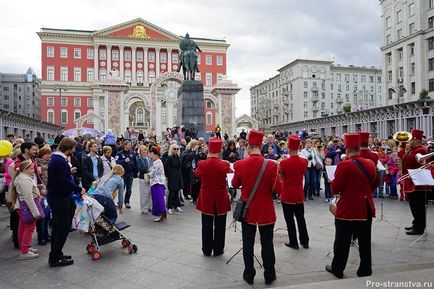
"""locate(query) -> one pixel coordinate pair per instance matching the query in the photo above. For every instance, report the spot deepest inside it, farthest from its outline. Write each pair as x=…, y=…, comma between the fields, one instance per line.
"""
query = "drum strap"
x=362, y=168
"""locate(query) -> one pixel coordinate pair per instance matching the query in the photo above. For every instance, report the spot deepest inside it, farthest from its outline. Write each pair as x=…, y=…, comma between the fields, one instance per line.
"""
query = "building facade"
x=407, y=49
x=126, y=74
x=308, y=89
x=20, y=94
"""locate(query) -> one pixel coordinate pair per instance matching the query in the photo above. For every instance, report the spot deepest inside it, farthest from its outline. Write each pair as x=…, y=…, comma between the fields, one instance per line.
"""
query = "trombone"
x=419, y=158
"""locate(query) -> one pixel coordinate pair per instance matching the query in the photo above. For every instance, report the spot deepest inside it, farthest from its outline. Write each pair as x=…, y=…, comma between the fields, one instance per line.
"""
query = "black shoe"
x=293, y=246
x=270, y=280
x=414, y=232
x=408, y=228
x=42, y=242
x=364, y=274
x=61, y=262
x=330, y=270
x=310, y=198
x=306, y=246
x=248, y=279
x=206, y=253
x=218, y=253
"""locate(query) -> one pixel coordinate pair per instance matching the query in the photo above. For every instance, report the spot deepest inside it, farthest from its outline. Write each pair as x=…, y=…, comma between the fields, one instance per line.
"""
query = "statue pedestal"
x=191, y=110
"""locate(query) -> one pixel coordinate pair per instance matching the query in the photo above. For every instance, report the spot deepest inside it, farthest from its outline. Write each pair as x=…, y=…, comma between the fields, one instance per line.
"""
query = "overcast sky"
x=264, y=34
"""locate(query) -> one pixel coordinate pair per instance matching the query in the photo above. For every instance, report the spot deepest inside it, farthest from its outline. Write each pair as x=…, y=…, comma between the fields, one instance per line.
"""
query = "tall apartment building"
x=307, y=89
x=20, y=93
x=407, y=49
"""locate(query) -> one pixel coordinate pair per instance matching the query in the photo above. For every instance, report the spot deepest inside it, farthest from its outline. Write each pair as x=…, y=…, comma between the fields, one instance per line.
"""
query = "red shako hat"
x=417, y=134
x=294, y=142
x=255, y=138
x=352, y=140
x=215, y=145
x=364, y=138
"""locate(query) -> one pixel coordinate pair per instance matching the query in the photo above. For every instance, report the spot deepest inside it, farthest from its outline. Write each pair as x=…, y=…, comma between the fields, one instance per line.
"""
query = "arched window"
x=128, y=76
x=102, y=74
x=151, y=76
x=140, y=77
x=50, y=115
x=209, y=118
x=139, y=116
x=63, y=116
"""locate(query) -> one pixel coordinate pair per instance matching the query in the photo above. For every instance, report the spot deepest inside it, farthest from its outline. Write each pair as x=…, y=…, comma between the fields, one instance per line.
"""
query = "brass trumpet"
x=402, y=136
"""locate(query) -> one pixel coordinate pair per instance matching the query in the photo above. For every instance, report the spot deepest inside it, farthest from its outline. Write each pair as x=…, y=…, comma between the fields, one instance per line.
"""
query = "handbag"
x=241, y=206
x=26, y=214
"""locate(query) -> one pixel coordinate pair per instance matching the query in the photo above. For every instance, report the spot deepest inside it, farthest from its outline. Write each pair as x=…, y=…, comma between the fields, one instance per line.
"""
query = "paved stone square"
x=170, y=255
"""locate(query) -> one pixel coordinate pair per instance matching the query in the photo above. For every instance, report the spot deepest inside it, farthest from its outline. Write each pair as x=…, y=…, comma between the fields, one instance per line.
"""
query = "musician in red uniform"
x=366, y=153
x=291, y=172
x=213, y=199
x=415, y=194
x=355, y=179
x=261, y=211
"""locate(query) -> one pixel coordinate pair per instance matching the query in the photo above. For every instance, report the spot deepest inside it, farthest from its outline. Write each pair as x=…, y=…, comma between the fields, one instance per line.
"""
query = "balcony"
x=339, y=100
x=285, y=101
x=285, y=91
x=315, y=98
x=314, y=88
x=315, y=108
x=276, y=105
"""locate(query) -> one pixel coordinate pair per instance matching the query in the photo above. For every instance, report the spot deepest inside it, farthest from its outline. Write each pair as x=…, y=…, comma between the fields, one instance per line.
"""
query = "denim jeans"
x=379, y=191
x=309, y=182
x=318, y=181
x=391, y=188
x=128, y=180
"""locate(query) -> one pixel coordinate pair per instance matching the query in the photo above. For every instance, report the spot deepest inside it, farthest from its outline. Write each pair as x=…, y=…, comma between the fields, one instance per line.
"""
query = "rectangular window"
x=323, y=105
x=331, y=86
x=163, y=57
x=63, y=117
x=208, y=79
x=115, y=54
x=208, y=60
x=219, y=76
x=219, y=60
x=305, y=104
x=430, y=4
x=388, y=39
x=77, y=53
x=174, y=57
x=50, y=116
x=50, y=73
x=151, y=56
x=64, y=101
x=388, y=22
x=139, y=55
x=90, y=102
x=90, y=53
x=411, y=9
x=305, y=84
x=412, y=28
x=398, y=34
x=305, y=94
x=431, y=42
x=355, y=77
x=77, y=102
x=431, y=64
x=103, y=54
x=50, y=51
x=347, y=77
x=77, y=115
x=209, y=119
x=198, y=59
x=127, y=55
x=198, y=77
x=413, y=87
x=398, y=16
x=64, y=74
x=411, y=49
x=389, y=75
x=412, y=68
x=347, y=87
x=400, y=54
x=431, y=22
x=371, y=79
x=77, y=74
x=63, y=52
x=50, y=101
x=305, y=114
x=401, y=72
x=338, y=77
x=339, y=87
x=163, y=118
x=431, y=84
x=89, y=74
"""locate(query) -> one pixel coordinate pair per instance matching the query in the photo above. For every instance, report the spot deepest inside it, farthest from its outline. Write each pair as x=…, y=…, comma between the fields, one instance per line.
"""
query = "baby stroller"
x=104, y=232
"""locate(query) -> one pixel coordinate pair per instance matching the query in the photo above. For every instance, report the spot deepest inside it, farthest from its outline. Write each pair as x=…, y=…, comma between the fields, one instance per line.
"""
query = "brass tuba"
x=402, y=136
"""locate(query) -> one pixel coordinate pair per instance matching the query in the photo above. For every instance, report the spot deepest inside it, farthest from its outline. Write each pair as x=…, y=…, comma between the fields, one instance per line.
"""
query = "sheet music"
x=229, y=178
x=331, y=172
x=422, y=178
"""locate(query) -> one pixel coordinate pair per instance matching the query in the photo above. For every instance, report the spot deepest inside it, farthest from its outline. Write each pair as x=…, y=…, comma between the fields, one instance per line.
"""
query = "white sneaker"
x=28, y=256
x=157, y=219
x=34, y=250
x=178, y=209
x=169, y=211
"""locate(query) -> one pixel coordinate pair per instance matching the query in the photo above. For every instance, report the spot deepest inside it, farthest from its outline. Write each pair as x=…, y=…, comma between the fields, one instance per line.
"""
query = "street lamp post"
x=60, y=88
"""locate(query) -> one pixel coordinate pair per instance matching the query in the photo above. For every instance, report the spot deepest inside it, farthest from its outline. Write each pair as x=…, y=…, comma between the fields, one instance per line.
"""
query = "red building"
x=145, y=56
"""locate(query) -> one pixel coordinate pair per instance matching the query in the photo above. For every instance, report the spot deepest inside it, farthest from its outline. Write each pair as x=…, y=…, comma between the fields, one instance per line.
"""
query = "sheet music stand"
x=382, y=217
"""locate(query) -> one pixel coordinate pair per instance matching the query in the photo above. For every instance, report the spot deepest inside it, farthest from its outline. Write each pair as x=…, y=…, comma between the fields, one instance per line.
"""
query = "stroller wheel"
x=96, y=255
x=90, y=248
x=125, y=243
x=130, y=249
x=135, y=248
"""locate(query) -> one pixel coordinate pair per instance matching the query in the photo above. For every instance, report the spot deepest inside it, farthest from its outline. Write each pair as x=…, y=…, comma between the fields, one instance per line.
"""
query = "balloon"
x=5, y=148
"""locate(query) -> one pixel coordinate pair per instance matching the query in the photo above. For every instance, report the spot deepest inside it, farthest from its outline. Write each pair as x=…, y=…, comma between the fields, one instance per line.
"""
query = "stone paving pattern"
x=170, y=255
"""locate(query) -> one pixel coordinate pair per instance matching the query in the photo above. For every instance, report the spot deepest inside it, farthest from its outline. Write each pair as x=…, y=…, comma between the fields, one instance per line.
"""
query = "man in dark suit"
x=93, y=168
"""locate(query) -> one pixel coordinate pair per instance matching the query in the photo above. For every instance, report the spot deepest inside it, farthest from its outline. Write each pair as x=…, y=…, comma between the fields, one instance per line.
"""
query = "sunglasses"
x=176, y=149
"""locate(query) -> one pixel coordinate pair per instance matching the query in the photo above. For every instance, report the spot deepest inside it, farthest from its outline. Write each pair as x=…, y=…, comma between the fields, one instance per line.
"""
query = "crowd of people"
x=41, y=178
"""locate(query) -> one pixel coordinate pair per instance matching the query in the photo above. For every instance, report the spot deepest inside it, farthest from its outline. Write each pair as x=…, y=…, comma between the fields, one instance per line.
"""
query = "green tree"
x=424, y=94
x=346, y=107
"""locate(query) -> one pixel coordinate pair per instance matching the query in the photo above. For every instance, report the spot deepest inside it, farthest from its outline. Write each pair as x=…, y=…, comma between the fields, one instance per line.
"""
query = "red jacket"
x=409, y=162
x=213, y=196
x=261, y=210
x=366, y=154
x=292, y=170
x=353, y=186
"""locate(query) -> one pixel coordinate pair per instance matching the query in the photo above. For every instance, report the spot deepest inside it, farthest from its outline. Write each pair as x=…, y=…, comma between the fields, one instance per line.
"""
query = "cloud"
x=264, y=35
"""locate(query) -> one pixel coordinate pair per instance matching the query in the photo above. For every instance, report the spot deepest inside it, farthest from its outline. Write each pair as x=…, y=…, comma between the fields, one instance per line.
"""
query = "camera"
x=309, y=157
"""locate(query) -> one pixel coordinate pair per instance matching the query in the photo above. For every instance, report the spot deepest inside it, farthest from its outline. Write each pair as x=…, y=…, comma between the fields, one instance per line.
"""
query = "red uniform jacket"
x=409, y=162
x=213, y=196
x=366, y=154
x=292, y=169
x=261, y=210
x=353, y=186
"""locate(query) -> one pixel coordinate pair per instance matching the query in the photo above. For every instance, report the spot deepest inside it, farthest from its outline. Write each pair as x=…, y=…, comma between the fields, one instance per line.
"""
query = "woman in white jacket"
x=27, y=192
x=310, y=176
